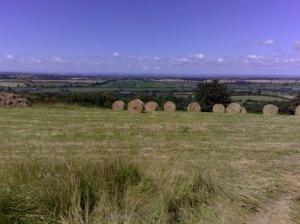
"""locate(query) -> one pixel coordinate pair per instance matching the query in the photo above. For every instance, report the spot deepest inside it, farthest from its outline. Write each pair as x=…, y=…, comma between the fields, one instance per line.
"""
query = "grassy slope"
x=248, y=156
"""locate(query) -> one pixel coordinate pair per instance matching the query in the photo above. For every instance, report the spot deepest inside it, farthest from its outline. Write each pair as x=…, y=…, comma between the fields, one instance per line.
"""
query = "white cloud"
x=252, y=56
x=183, y=59
x=36, y=60
x=297, y=45
x=220, y=60
x=198, y=56
x=56, y=59
x=268, y=42
x=184, y=63
x=9, y=56
x=116, y=54
x=291, y=61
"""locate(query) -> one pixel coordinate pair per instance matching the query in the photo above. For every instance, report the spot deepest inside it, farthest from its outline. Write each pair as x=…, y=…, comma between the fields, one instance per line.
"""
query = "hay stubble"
x=182, y=143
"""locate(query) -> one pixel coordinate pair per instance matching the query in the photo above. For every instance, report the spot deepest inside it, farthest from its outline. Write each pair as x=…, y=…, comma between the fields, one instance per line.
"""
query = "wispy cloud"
x=35, y=60
x=297, y=45
x=220, y=60
x=197, y=56
x=182, y=59
x=9, y=56
x=56, y=59
x=116, y=54
x=128, y=63
x=268, y=42
x=252, y=56
x=292, y=61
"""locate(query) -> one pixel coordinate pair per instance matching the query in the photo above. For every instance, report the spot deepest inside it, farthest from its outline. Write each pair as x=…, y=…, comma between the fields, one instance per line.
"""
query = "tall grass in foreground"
x=115, y=191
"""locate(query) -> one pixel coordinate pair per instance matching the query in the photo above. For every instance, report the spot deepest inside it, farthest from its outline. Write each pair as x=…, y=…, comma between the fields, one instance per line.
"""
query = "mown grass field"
x=69, y=164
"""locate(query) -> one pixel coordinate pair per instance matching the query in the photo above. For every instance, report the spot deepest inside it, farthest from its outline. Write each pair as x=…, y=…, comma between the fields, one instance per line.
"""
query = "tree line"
x=206, y=93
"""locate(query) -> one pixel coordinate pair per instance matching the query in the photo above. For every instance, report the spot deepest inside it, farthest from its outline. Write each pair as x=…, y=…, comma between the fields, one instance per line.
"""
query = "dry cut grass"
x=67, y=164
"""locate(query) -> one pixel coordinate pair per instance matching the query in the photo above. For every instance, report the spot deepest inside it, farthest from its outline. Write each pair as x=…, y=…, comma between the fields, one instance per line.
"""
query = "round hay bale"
x=118, y=105
x=270, y=110
x=151, y=106
x=243, y=110
x=135, y=106
x=169, y=106
x=233, y=108
x=194, y=107
x=297, y=111
x=218, y=108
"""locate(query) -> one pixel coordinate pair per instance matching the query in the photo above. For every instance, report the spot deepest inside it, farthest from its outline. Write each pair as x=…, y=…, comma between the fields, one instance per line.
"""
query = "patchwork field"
x=69, y=164
x=258, y=98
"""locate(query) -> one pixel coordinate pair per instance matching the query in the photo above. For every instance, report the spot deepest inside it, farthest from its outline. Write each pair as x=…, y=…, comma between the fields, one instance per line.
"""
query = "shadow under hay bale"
x=219, y=108
x=297, y=111
x=270, y=110
x=169, y=106
x=244, y=110
x=118, y=105
x=194, y=107
x=233, y=108
x=12, y=100
x=135, y=106
x=151, y=106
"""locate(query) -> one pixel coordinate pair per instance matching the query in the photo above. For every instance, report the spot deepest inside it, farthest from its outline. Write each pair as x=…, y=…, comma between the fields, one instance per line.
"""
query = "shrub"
x=285, y=107
x=210, y=93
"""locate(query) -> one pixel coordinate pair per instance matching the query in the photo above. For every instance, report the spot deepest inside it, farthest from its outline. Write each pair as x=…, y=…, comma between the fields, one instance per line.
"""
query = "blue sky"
x=155, y=36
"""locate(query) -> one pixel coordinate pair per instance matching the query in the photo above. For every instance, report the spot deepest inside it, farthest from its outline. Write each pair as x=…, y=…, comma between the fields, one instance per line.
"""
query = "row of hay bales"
x=138, y=106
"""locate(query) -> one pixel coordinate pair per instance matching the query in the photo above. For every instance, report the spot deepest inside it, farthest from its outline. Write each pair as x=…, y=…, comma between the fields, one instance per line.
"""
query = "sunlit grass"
x=69, y=164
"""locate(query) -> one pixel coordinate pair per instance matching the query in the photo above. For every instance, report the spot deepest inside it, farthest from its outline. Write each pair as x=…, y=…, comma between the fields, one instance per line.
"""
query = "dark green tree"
x=210, y=93
x=296, y=101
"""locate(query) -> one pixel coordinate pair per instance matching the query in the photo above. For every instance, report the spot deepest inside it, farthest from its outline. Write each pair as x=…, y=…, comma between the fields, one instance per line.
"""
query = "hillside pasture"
x=70, y=164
